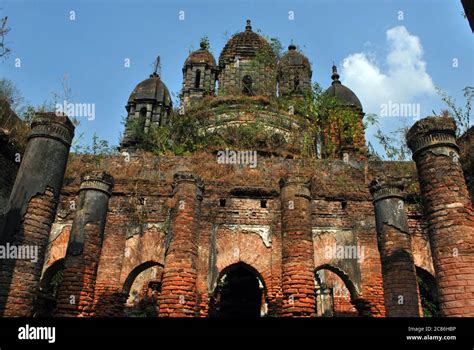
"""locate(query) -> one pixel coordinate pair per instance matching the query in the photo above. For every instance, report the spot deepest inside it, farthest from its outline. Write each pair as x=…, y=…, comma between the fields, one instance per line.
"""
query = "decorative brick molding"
x=54, y=126
x=448, y=209
x=432, y=132
x=395, y=247
x=97, y=180
x=383, y=190
x=189, y=178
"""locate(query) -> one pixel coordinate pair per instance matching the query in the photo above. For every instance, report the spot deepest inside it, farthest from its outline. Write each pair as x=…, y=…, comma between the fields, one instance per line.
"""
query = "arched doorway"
x=49, y=286
x=335, y=293
x=143, y=287
x=428, y=293
x=247, y=85
x=240, y=293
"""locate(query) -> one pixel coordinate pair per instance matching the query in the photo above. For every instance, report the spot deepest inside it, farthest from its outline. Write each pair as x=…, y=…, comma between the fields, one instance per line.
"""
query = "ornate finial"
x=156, y=67
x=204, y=43
x=248, y=27
x=335, y=76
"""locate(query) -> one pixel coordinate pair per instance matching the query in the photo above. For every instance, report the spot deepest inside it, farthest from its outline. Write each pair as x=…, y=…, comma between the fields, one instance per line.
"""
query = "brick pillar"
x=76, y=293
x=396, y=255
x=448, y=210
x=109, y=298
x=31, y=211
x=178, y=291
x=297, y=248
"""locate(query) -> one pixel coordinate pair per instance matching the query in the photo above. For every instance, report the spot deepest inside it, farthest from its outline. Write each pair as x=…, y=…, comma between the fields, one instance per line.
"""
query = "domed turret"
x=149, y=103
x=294, y=73
x=247, y=65
x=344, y=135
x=151, y=90
x=342, y=93
x=199, y=75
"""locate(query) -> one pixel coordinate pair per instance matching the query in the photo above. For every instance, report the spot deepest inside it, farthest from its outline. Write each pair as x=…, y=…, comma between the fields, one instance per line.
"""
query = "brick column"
x=396, y=255
x=76, y=293
x=297, y=248
x=448, y=210
x=178, y=291
x=31, y=211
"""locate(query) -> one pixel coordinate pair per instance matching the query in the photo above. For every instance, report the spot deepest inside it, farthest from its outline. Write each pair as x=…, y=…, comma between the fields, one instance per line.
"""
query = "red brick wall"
x=136, y=233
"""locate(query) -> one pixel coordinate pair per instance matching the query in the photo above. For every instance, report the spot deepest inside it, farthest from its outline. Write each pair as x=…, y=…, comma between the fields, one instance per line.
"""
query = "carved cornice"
x=97, y=180
x=187, y=177
x=298, y=180
x=432, y=132
x=50, y=125
x=383, y=189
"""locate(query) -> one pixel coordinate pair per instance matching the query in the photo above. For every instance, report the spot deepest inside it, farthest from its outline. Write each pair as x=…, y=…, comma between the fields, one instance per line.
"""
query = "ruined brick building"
x=137, y=234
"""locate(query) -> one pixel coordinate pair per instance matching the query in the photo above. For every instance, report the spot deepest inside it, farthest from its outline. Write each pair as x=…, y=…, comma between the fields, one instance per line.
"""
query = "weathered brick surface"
x=76, y=293
x=31, y=210
x=399, y=275
x=227, y=235
x=178, y=294
x=108, y=296
x=466, y=153
x=24, y=281
x=394, y=243
x=297, y=249
x=448, y=209
x=139, y=222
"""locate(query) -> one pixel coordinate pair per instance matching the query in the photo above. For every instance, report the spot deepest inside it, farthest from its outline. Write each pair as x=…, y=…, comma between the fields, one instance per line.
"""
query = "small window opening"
x=197, y=82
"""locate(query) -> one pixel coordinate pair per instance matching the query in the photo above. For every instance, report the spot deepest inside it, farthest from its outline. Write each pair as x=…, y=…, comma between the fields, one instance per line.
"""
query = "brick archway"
x=240, y=292
x=354, y=305
x=135, y=272
x=142, y=300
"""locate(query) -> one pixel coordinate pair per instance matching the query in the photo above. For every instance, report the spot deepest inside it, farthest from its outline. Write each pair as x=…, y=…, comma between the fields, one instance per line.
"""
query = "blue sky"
x=380, y=57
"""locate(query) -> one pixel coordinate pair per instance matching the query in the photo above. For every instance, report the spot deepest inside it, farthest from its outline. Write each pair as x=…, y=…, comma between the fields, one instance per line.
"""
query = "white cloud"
x=403, y=80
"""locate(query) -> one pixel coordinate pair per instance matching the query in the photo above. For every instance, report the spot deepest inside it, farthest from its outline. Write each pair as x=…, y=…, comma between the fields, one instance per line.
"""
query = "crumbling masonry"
x=137, y=234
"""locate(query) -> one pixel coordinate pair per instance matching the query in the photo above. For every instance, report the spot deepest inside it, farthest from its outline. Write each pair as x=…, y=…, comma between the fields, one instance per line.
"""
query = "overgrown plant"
x=96, y=151
x=462, y=116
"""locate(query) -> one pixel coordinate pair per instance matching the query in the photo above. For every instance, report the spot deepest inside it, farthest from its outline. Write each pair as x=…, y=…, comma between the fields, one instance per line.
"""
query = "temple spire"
x=248, y=27
x=157, y=67
x=335, y=75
